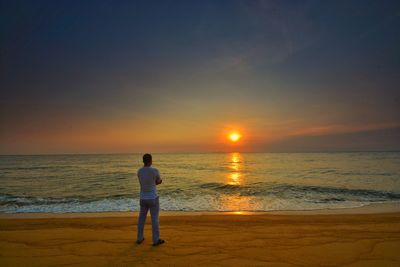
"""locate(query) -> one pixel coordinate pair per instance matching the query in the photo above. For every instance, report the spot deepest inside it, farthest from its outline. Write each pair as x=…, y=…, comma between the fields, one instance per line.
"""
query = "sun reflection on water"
x=235, y=177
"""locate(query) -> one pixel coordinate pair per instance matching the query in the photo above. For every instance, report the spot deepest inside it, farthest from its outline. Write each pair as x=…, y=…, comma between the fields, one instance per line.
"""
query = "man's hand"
x=158, y=182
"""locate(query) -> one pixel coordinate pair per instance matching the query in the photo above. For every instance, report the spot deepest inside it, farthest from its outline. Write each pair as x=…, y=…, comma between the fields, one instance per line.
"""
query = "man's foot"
x=159, y=242
x=139, y=241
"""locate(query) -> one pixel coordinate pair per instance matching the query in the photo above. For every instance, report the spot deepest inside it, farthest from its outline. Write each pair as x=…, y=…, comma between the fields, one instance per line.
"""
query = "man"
x=149, y=177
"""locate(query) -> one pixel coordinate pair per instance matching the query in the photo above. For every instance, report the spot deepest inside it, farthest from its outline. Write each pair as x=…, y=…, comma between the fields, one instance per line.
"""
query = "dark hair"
x=147, y=158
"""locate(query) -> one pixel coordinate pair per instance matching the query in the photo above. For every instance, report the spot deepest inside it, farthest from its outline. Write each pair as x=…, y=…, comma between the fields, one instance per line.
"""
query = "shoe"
x=139, y=241
x=159, y=242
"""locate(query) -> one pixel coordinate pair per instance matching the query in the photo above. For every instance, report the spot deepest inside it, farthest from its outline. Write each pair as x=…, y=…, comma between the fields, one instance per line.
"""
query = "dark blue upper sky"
x=73, y=71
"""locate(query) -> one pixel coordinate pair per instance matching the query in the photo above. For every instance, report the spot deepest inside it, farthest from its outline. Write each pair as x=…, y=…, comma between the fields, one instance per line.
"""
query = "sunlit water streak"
x=200, y=182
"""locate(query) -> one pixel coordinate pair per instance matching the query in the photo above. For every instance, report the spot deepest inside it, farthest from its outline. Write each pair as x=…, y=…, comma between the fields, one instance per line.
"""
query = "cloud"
x=343, y=129
x=384, y=139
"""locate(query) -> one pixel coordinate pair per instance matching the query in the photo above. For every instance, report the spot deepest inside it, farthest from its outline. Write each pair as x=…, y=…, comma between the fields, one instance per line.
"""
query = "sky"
x=178, y=76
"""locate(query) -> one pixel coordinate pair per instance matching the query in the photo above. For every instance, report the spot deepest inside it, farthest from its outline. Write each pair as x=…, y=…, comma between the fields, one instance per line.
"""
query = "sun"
x=234, y=136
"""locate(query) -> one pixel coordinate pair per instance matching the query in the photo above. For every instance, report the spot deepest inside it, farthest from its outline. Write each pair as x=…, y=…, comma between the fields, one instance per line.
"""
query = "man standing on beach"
x=149, y=178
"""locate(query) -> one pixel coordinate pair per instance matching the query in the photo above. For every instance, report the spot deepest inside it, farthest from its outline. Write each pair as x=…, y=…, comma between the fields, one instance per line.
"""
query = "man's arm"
x=158, y=178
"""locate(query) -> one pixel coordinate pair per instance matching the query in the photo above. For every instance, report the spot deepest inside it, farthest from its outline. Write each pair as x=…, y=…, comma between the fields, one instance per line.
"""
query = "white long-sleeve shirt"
x=148, y=176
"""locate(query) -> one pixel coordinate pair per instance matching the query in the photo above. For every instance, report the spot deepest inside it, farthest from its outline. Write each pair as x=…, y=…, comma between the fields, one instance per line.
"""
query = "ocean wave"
x=284, y=191
x=318, y=193
x=14, y=204
x=208, y=197
x=19, y=201
x=199, y=202
x=336, y=191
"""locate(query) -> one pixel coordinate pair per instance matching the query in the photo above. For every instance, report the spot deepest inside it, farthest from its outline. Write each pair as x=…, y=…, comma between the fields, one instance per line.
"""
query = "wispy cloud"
x=342, y=128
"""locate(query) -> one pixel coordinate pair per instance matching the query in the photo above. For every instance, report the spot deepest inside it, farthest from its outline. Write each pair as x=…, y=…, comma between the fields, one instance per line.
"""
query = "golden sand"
x=205, y=240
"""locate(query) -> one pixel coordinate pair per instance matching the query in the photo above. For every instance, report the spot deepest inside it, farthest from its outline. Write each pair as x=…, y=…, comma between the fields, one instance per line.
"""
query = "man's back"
x=148, y=176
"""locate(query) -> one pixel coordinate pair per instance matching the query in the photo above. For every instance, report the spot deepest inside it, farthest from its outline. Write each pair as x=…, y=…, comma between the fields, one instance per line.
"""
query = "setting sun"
x=234, y=137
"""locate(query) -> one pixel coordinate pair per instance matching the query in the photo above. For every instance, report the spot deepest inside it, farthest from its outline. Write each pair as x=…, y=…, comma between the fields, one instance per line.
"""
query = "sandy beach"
x=267, y=239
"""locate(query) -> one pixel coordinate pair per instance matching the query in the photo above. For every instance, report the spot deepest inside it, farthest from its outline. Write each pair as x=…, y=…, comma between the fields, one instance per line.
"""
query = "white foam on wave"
x=205, y=202
x=103, y=205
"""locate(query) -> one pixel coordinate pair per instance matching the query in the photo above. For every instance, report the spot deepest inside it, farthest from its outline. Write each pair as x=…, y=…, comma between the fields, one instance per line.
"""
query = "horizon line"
x=211, y=152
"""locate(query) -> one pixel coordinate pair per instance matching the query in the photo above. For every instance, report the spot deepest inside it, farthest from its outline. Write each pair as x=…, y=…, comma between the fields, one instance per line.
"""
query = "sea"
x=200, y=182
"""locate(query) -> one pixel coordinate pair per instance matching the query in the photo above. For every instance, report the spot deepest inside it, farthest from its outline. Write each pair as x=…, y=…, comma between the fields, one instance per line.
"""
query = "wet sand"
x=205, y=240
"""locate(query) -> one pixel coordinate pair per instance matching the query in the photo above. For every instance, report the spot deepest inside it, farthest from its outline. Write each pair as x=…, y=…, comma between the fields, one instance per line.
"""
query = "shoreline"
x=376, y=208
